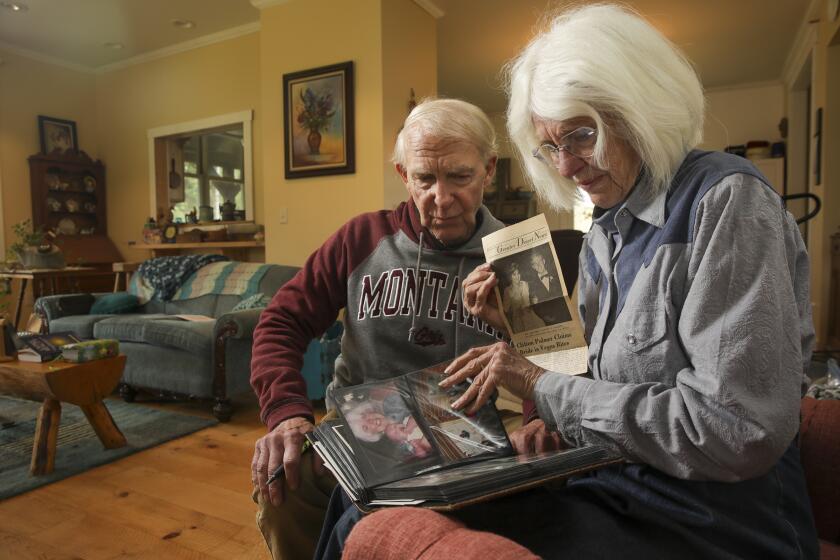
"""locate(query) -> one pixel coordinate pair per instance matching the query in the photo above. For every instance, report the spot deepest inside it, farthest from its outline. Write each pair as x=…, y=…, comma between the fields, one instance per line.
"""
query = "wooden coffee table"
x=53, y=383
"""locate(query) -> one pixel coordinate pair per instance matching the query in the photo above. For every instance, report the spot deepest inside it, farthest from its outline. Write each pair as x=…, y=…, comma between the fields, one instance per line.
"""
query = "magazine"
x=33, y=347
x=533, y=298
x=399, y=442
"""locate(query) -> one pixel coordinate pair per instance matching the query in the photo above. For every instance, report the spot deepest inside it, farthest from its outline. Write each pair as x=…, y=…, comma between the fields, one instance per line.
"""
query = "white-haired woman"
x=693, y=292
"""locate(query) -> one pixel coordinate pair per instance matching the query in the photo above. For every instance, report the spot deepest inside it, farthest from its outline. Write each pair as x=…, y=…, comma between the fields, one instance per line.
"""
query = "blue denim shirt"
x=695, y=305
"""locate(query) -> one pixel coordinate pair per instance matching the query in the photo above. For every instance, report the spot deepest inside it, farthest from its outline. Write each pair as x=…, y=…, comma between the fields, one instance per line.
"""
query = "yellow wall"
x=212, y=80
x=737, y=115
x=825, y=93
x=297, y=36
x=409, y=60
x=29, y=88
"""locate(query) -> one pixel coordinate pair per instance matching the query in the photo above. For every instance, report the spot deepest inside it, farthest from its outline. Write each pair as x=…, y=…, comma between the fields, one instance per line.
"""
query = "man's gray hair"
x=607, y=63
x=448, y=119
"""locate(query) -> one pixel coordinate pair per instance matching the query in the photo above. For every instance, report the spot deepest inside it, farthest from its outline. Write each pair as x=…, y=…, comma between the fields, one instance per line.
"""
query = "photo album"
x=399, y=442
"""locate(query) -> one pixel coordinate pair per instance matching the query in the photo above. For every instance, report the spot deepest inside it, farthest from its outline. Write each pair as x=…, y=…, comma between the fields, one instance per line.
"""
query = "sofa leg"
x=223, y=410
x=127, y=392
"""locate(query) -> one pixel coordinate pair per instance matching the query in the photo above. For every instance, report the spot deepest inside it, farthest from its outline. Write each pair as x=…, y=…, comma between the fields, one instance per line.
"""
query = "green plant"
x=27, y=236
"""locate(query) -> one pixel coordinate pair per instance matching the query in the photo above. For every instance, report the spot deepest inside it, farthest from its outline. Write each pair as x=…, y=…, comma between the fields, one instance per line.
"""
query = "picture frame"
x=319, y=121
x=57, y=135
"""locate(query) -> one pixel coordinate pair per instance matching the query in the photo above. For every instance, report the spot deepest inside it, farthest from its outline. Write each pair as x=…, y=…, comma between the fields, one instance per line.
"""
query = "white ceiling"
x=75, y=31
x=730, y=41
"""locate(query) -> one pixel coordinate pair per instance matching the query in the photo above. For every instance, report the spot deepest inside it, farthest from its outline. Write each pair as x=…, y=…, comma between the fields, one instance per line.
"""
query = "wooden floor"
x=186, y=499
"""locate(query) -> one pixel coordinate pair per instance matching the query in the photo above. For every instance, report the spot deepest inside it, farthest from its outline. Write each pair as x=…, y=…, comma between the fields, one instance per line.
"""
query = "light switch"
x=284, y=215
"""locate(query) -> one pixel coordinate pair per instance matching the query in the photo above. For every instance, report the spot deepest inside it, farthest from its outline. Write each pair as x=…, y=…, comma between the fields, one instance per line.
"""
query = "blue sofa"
x=197, y=359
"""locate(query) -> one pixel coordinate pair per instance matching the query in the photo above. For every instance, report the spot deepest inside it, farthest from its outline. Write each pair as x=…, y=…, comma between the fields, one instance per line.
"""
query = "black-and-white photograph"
x=531, y=289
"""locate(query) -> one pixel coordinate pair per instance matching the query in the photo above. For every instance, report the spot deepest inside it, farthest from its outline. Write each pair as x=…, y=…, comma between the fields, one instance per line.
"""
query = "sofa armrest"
x=237, y=324
x=64, y=305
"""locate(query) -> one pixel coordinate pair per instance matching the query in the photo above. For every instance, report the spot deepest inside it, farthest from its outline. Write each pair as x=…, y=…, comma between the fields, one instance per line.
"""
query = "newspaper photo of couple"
x=532, y=292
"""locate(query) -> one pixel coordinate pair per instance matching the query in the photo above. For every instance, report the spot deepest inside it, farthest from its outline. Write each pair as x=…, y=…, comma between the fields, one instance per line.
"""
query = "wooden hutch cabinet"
x=68, y=197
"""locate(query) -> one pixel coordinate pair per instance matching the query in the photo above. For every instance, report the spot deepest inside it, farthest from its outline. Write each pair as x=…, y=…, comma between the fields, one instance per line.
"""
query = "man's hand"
x=534, y=437
x=282, y=445
x=489, y=367
x=478, y=296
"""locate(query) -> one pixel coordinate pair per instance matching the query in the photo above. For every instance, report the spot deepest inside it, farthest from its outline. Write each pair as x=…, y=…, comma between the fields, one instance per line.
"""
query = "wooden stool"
x=84, y=385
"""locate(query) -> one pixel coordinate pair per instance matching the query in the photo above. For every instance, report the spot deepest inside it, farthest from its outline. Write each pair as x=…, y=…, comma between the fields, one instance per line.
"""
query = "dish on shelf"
x=72, y=205
x=67, y=226
x=90, y=183
x=87, y=230
x=51, y=179
x=54, y=205
x=90, y=207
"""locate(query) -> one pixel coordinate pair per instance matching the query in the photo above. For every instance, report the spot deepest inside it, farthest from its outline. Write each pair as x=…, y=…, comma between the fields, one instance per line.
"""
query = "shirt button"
x=631, y=339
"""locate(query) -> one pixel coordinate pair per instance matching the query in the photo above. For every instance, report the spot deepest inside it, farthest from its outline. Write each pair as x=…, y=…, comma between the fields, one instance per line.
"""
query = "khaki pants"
x=291, y=530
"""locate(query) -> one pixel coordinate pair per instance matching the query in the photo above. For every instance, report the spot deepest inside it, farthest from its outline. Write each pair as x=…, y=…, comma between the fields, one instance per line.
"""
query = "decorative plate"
x=67, y=226
x=90, y=183
x=54, y=205
x=51, y=180
x=72, y=205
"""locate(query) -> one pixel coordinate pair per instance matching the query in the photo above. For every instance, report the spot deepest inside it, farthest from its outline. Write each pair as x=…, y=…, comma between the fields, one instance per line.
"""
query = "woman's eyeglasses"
x=579, y=142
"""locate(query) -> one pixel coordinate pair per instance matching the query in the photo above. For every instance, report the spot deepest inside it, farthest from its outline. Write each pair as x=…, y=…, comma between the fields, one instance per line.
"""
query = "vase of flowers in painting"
x=315, y=116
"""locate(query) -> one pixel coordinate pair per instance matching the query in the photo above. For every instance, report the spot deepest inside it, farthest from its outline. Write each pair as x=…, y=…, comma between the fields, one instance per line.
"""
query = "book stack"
x=32, y=347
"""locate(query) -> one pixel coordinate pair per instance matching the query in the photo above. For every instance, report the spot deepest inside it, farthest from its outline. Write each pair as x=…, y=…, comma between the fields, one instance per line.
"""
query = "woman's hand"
x=534, y=437
x=478, y=298
x=489, y=367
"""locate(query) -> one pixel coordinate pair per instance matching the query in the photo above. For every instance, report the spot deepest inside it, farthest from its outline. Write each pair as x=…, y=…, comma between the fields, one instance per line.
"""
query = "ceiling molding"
x=745, y=85
x=263, y=4
x=428, y=5
x=35, y=55
x=803, y=45
x=196, y=43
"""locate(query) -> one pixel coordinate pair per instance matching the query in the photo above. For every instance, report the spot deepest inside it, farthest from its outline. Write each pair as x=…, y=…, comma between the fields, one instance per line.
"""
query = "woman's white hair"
x=450, y=119
x=609, y=64
x=355, y=418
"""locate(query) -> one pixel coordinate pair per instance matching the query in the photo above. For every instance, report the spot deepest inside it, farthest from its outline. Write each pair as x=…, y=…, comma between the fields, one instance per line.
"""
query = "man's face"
x=446, y=179
x=538, y=263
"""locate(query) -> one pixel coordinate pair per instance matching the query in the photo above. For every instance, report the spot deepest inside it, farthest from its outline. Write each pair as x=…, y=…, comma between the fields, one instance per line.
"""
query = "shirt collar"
x=641, y=204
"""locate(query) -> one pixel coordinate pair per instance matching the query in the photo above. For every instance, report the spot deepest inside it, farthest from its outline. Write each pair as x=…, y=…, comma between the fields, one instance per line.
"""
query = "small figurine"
x=192, y=216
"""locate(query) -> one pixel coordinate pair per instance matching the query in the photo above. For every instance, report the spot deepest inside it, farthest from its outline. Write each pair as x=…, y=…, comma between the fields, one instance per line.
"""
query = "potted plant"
x=34, y=247
x=315, y=116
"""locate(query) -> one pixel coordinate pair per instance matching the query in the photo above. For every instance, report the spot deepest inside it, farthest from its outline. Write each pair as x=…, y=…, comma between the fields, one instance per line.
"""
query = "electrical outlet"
x=284, y=215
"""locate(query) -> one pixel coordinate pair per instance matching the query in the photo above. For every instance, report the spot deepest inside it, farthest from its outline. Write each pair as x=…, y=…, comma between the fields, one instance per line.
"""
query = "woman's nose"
x=567, y=164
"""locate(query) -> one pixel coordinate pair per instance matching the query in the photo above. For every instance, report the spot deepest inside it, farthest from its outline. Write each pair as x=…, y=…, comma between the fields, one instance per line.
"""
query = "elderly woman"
x=693, y=292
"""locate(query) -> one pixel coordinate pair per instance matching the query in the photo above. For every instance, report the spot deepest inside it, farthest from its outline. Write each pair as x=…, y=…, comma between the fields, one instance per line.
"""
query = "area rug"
x=78, y=447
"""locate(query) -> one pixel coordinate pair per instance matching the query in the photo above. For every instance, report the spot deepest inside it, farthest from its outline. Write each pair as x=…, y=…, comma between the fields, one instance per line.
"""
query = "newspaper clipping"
x=533, y=297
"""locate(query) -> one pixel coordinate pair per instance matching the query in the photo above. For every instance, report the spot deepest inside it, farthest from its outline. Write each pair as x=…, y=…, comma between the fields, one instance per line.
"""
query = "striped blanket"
x=223, y=278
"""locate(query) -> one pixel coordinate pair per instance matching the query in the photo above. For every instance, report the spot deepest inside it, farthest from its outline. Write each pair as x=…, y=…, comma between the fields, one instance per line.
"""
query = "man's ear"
x=402, y=173
x=490, y=168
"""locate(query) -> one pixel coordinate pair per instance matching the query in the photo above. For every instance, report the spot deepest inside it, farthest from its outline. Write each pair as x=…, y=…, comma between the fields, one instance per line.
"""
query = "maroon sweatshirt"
x=369, y=267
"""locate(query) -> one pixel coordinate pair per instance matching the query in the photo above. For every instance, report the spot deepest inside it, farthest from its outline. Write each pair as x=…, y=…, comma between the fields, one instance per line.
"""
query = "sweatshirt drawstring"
x=460, y=307
x=417, y=292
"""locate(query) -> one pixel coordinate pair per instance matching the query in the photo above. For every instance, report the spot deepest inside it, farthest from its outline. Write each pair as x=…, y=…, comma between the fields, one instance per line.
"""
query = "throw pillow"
x=253, y=302
x=120, y=302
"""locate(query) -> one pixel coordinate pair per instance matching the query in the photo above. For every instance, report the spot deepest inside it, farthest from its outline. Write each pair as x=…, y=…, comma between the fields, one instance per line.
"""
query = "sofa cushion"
x=80, y=325
x=111, y=304
x=195, y=337
x=819, y=447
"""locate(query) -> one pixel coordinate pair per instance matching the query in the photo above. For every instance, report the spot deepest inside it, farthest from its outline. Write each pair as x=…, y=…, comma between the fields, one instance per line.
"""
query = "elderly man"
x=398, y=276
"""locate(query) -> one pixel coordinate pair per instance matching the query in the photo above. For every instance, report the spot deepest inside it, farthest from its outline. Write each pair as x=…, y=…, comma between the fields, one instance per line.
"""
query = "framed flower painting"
x=319, y=121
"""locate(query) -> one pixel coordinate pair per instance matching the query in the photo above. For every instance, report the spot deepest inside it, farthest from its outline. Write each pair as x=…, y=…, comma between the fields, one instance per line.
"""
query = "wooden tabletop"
x=79, y=384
